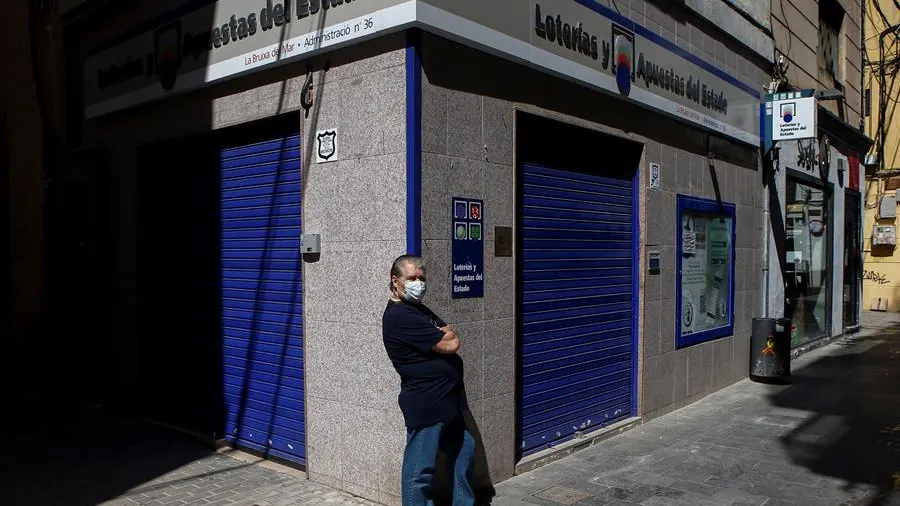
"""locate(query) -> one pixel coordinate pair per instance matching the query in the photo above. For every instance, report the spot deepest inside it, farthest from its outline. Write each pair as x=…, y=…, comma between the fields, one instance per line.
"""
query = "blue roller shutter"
x=577, y=307
x=262, y=310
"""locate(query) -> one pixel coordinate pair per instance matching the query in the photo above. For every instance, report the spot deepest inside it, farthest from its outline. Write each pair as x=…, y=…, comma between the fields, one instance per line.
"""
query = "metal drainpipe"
x=767, y=224
x=766, y=230
x=765, y=267
x=862, y=73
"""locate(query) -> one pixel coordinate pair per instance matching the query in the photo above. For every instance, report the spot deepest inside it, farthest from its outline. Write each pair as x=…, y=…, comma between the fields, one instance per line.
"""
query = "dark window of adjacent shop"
x=705, y=292
x=807, y=260
x=852, y=258
x=831, y=19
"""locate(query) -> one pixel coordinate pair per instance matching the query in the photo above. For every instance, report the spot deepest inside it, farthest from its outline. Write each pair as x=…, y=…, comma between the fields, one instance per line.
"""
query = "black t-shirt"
x=431, y=383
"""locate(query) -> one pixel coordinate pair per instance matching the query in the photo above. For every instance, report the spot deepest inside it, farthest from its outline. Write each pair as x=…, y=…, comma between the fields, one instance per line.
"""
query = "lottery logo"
x=475, y=231
x=475, y=211
x=787, y=112
x=461, y=231
x=460, y=210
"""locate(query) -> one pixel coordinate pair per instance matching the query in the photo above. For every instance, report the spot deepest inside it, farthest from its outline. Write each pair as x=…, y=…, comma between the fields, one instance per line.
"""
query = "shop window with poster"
x=807, y=266
x=705, y=271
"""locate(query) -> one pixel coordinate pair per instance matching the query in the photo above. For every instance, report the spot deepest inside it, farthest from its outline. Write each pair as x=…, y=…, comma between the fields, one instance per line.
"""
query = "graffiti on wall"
x=875, y=276
x=806, y=153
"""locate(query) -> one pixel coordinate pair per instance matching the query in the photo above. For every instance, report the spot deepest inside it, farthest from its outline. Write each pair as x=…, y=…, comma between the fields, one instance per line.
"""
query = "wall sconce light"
x=829, y=94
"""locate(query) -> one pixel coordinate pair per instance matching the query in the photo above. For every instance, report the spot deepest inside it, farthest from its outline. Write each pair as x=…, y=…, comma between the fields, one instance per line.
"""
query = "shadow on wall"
x=852, y=432
x=482, y=485
x=539, y=89
x=882, y=250
x=141, y=243
x=881, y=298
x=221, y=349
x=78, y=360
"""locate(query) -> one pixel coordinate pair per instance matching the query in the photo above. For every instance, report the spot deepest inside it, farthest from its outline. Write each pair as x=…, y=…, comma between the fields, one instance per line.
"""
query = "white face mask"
x=414, y=291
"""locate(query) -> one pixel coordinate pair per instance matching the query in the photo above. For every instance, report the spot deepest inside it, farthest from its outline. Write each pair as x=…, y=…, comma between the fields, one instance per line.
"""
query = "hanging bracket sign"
x=789, y=116
x=467, y=272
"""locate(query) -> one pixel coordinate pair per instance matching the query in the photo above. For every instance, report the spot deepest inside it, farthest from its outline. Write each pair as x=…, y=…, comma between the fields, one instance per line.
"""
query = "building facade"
x=584, y=182
x=817, y=181
x=881, y=270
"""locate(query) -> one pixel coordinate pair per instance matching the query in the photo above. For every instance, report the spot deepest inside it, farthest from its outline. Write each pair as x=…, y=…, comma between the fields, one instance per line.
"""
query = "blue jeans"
x=420, y=460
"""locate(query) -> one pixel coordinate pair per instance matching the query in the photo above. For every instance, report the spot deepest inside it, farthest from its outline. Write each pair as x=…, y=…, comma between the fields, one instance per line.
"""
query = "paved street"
x=77, y=457
x=831, y=437
x=219, y=480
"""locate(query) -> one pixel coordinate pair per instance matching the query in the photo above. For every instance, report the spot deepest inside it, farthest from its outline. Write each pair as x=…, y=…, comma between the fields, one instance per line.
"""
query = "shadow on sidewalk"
x=853, y=393
x=75, y=456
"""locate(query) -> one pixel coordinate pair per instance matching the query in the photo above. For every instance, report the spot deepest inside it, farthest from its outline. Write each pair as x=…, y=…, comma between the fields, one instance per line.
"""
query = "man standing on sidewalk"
x=432, y=395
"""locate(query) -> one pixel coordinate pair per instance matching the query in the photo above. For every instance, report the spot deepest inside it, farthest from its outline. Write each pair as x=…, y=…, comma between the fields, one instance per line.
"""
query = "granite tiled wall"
x=354, y=428
x=468, y=141
x=731, y=17
x=711, y=30
x=467, y=152
x=355, y=432
x=674, y=378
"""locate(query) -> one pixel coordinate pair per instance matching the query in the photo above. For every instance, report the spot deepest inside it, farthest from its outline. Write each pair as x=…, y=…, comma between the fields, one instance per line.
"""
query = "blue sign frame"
x=711, y=207
x=467, y=258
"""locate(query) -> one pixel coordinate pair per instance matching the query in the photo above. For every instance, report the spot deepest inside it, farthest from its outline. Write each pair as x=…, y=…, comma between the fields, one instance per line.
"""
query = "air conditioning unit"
x=884, y=235
x=887, y=207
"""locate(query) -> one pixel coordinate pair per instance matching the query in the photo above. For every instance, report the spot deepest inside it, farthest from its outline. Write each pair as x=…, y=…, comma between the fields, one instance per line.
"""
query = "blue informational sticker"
x=467, y=271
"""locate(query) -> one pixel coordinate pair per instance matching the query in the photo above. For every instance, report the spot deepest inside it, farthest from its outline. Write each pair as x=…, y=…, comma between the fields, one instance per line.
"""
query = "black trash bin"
x=770, y=349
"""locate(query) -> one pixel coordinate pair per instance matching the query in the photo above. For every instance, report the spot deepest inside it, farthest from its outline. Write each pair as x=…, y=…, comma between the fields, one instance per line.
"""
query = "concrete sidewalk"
x=75, y=456
x=830, y=437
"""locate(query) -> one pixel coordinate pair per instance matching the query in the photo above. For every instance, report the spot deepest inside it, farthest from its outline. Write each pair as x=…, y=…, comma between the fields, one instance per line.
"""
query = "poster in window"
x=705, y=269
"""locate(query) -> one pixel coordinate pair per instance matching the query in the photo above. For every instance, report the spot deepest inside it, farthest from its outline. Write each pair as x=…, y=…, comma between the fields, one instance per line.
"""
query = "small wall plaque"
x=327, y=145
x=654, y=176
x=653, y=262
x=503, y=238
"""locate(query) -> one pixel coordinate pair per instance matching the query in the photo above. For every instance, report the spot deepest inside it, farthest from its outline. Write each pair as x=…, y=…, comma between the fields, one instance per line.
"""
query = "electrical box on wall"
x=887, y=208
x=310, y=244
x=884, y=235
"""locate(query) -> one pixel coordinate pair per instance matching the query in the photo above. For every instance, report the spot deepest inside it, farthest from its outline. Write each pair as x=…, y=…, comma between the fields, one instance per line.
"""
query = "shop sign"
x=467, y=247
x=793, y=117
x=577, y=39
x=598, y=47
x=227, y=38
x=789, y=116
